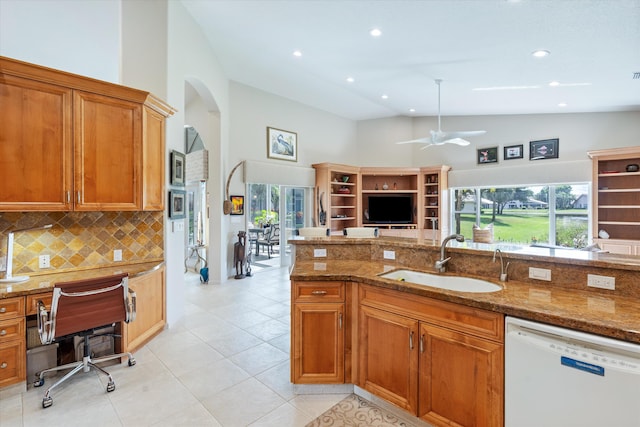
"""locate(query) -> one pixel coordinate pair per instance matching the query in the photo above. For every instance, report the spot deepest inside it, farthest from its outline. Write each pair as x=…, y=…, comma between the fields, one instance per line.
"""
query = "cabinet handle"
x=320, y=293
x=3, y=332
x=3, y=309
x=411, y=340
x=340, y=321
x=422, y=343
x=3, y=365
x=68, y=197
x=78, y=196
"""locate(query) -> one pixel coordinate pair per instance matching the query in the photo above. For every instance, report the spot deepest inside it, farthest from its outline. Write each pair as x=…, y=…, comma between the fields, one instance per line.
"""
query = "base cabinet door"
x=318, y=343
x=461, y=379
x=150, y=309
x=388, y=358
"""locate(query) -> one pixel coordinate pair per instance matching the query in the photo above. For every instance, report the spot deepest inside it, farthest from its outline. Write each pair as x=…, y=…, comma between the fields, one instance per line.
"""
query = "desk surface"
x=45, y=282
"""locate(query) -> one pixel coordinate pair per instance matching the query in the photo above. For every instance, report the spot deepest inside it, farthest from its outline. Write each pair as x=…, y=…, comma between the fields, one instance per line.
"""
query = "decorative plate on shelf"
x=609, y=172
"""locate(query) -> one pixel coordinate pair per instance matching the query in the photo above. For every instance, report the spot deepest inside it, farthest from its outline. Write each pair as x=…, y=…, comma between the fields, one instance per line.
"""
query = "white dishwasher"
x=556, y=377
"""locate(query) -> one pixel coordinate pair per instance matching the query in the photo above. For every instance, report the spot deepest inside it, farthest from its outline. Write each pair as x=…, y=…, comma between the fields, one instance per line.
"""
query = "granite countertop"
x=45, y=282
x=612, y=315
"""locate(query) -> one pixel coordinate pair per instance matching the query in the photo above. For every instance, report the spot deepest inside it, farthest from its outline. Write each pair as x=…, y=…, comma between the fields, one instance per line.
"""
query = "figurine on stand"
x=239, y=256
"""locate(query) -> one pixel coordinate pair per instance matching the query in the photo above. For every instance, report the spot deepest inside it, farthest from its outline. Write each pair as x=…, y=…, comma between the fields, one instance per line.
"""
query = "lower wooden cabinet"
x=13, y=343
x=388, y=365
x=150, y=309
x=461, y=379
x=439, y=361
x=318, y=333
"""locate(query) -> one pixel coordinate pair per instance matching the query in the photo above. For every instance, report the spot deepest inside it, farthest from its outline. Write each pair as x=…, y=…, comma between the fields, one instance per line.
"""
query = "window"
x=556, y=215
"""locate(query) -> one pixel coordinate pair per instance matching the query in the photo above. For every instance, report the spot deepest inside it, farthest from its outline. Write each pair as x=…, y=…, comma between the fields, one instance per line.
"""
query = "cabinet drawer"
x=470, y=320
x=12, y=329
x=12, y=362
x=11, y=307
x=32, y=302
x=319, y=291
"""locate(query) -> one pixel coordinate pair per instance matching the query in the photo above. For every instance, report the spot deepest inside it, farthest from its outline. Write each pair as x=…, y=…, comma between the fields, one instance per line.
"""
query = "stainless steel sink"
x=452, y=283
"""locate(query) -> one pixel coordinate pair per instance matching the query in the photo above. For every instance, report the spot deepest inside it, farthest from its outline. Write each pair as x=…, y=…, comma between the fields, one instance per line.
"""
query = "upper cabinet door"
x=35, y=145
x=107, y=153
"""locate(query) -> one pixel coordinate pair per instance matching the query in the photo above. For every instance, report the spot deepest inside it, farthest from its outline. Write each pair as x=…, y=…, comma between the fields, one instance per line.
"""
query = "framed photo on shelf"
x=513, y=152
x=282, y=144
x=177, y=204
x=543, y=149
x=237, y=205
x=487, y=155
x=178, y=164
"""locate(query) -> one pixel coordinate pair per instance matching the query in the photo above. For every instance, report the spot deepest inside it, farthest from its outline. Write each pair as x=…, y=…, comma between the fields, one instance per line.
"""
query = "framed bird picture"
x=282, y=144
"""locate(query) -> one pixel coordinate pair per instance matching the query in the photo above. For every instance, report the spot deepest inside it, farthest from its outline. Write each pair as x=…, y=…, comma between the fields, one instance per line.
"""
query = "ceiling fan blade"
x=458, y=134
x=426, y=140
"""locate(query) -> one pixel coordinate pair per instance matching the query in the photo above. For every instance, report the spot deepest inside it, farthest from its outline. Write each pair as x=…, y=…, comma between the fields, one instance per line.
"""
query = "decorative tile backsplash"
x=80, y=240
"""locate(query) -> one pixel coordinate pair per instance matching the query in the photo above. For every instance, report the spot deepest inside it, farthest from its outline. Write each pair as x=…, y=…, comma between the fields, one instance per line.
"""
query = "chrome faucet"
x=503, y=268
x=441, y=264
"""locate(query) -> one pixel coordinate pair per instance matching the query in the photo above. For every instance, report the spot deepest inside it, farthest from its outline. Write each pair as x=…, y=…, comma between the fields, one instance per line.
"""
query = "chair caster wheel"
x=46, y=402
x=111, y=386
x=38, y=382
x=132, y=361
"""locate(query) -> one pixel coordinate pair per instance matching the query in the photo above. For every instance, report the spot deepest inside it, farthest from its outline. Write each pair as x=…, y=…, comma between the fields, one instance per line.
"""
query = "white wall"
x=75, y=36
x=578, y=133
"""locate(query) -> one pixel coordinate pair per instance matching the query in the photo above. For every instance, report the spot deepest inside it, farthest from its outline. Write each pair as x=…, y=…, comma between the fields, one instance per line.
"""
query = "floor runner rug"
x=354, y=411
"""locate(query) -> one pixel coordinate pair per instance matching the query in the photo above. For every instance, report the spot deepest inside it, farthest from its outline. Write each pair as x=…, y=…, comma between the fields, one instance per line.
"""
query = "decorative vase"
x=385, y=186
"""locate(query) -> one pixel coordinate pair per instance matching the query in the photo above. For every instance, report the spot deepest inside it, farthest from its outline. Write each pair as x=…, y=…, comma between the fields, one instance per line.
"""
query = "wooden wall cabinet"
x=151, y=312
x=318, y=333
x=439, y=361
x=616, y=199
x=72, y=143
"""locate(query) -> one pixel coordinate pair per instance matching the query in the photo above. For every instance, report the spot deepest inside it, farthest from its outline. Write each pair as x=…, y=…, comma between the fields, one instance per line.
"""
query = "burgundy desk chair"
x=79, y=308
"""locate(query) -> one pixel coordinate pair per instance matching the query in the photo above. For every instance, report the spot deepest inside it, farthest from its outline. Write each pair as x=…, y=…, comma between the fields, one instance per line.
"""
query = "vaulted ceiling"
x=481, y=49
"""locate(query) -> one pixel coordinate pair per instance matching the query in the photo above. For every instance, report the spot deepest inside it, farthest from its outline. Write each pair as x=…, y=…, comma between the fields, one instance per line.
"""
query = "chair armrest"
x=45, y=325
x=131, y=306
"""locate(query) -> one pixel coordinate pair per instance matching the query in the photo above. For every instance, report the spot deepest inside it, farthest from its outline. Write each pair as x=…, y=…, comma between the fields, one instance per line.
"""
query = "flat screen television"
x=391, y=209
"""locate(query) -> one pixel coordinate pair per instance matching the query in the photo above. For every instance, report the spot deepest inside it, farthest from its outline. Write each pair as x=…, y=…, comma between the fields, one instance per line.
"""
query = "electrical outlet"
x=44, y=261
x=389, y=254
x=117, y=254
x=540, y=274
x=602, y=282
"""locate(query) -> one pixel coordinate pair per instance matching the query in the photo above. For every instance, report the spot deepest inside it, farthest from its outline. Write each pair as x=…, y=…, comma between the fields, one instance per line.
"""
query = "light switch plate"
x=320, y=253
x=540, y=274
x=117, y=254
x=389, y=254
x=602, y=282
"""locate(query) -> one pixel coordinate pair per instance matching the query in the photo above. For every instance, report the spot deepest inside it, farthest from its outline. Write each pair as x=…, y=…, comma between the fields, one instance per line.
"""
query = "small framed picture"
x=513, y=152
x=178, y=164
x=177, y=204
x=282, y=144
x=237, y=205
x=543, y=149
x=487, y=155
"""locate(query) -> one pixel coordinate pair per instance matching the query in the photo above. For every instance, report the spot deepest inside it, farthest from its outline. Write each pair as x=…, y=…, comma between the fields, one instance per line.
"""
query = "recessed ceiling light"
x=350, y=79
x=375, y=32
x=385, y=96
x=554, y=83
x=541, y=53
x=412, y=110
x=562, y=104
x=297, y=53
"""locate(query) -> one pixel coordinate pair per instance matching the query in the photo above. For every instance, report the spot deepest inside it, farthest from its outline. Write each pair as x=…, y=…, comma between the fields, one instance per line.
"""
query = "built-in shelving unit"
x=337, y=194
x=616, y=199
x=394, y=184
x=347, y=191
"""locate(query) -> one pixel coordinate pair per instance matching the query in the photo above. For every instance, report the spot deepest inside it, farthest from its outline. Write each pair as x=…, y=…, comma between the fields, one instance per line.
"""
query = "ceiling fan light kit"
x=440, y=137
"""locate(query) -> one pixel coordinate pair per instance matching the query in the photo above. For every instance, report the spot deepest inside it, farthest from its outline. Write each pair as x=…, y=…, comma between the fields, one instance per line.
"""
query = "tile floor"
x=226, y=363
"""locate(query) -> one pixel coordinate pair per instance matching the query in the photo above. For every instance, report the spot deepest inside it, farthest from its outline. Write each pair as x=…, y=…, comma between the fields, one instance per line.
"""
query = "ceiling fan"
x=439, y=137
